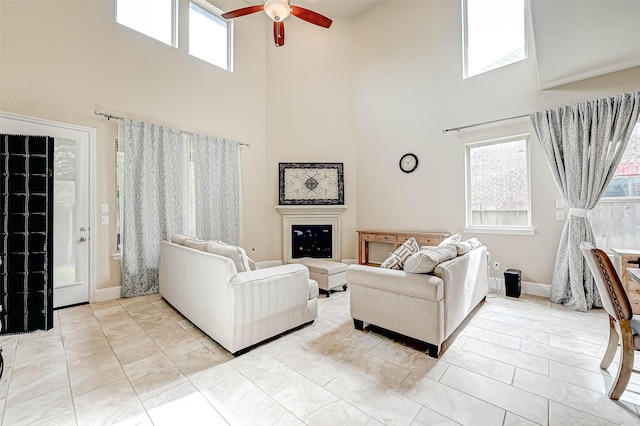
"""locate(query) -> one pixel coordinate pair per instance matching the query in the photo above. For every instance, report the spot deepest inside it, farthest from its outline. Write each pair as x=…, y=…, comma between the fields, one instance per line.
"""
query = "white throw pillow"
x=402, y=253
x=235, y=253
x=180, y=238
x=465, y=247
x=426, y=260
x=196, y=244
x=453, y=239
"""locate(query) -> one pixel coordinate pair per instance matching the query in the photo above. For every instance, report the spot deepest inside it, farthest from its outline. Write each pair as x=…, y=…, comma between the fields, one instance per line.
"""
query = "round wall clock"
x=408, y=163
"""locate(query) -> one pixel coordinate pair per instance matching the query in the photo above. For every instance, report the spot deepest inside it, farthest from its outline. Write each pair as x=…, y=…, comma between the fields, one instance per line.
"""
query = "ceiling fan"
x=279, y=10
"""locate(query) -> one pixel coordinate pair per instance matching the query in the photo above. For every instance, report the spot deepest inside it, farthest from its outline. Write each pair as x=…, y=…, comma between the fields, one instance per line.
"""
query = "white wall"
x=410, y=87
x=598, y=37
x=363, y=93
x=310, y=113
x=61, y=60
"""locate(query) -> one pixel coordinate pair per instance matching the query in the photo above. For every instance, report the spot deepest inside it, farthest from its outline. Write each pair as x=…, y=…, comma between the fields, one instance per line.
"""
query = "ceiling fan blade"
x=278, y=33
x=311, y=16
x=243, y=11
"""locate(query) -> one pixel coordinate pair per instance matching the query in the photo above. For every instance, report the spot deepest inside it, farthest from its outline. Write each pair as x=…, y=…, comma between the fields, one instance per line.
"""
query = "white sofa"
x=236, y=309
x=426, y=307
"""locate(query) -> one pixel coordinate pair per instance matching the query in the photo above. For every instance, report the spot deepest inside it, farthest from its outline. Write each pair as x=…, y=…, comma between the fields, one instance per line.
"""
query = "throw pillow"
x=235, y=253
x=402, y=253
x=196, y=244
x=453, y=239
x=426, y=260
x=464, y=247
x=180, y=238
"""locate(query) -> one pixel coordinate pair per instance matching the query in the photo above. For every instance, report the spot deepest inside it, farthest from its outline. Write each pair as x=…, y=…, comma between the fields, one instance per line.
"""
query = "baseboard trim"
x=526, y=287
x=109, y=293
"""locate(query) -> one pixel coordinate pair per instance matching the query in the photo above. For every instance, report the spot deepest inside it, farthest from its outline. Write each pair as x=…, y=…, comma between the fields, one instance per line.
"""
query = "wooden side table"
x=623, y=259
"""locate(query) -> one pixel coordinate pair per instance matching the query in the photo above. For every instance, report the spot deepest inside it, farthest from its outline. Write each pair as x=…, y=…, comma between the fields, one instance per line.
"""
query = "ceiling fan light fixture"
x=278, y=10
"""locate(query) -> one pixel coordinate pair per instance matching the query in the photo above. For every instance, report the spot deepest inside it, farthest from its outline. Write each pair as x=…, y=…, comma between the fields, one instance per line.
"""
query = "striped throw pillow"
x=402, y=253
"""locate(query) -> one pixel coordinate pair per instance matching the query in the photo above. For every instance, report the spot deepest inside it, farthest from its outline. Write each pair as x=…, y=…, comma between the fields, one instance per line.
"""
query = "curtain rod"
x=457, y=129
x=115, y=117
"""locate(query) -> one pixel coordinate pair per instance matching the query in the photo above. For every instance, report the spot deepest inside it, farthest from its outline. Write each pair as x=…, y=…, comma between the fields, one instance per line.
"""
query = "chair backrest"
x=614, y=297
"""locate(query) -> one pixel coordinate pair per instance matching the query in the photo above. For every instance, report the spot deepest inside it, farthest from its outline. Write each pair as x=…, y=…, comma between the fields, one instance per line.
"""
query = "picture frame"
x=311, y=184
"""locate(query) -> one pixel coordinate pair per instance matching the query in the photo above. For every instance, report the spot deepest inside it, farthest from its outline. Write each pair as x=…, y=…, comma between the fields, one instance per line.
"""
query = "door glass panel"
x=64, y=212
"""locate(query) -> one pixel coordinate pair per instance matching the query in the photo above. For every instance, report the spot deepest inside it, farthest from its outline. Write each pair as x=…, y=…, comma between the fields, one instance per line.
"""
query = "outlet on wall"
x=496, y=266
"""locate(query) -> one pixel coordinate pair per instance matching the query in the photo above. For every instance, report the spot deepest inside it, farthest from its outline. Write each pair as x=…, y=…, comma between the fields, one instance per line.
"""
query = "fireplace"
x=318, y=219
x=311, y=241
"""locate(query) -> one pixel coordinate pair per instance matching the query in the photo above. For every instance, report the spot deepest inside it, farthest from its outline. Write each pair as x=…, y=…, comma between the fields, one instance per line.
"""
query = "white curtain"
x=152, y=207
x=217, y=189
x=583, y=145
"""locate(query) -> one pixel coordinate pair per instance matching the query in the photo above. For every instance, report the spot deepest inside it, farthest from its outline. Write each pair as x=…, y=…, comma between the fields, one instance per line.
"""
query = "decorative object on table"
x=408, y=162
x=279, y=10
x=311, y=184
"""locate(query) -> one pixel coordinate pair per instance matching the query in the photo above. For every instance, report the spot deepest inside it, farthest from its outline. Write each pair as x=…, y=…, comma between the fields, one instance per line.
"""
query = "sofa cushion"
x=464, y=247
x=402, y=253
x=453, y=239
x=425, y=260
x=180, y=238
x=196, y=244
x=235, y=253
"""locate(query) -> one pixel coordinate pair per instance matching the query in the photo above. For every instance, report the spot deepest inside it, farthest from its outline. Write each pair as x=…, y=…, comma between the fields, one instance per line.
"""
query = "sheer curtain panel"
x=217, y=189
x=152, y=202
x=583, y=145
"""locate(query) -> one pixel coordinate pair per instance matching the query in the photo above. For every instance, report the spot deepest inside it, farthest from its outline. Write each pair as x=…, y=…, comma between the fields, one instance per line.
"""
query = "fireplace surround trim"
x=312, y=215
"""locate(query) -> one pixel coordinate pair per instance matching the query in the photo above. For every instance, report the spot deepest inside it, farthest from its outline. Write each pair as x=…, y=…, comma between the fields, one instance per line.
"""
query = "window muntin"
x=154, y=18
x=209, y=35
x=616, y=217
x=494, y=34
x=498, y=185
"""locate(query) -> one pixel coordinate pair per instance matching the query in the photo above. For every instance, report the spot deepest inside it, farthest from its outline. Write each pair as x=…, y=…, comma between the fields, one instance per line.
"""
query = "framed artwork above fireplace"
x=311, y=184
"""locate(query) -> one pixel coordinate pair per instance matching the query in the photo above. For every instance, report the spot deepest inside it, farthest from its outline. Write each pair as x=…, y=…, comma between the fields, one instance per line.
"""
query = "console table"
x=397, y=238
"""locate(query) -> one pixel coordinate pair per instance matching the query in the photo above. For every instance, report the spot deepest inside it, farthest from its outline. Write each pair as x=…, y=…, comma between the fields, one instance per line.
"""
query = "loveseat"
x=426, y=307
x=236, y=309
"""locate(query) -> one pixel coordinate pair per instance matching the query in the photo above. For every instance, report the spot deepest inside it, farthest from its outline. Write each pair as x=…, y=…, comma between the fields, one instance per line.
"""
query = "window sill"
x=117, y=256
x=504, y=231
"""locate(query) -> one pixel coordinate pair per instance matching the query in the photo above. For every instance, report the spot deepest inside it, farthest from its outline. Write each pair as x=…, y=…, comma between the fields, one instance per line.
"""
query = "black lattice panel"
x=26, y=209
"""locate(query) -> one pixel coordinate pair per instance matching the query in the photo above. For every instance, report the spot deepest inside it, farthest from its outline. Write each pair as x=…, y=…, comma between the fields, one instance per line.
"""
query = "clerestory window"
x=494, y=34
x=154, y=18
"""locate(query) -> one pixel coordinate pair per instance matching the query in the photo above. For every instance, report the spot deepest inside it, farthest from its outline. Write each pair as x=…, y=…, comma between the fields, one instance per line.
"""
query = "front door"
x=71, y=216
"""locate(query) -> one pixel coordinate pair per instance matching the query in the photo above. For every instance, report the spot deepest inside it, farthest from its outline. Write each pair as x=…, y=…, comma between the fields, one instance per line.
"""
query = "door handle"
x=83, y=239
x=83, y=229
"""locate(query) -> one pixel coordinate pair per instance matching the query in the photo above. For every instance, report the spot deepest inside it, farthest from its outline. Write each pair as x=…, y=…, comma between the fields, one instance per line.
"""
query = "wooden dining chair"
x=623, y=329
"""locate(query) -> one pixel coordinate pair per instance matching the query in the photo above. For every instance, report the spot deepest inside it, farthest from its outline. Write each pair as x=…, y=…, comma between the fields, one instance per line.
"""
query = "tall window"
x=494, y=34
x=154, y=18
x=209, y=35
x=616, y=218
x=498, y=187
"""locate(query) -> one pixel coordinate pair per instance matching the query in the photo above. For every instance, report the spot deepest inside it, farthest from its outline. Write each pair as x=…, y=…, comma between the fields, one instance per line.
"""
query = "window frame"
x=465, y=41
x=174, y=23
x=501, y=229
x=208, y=7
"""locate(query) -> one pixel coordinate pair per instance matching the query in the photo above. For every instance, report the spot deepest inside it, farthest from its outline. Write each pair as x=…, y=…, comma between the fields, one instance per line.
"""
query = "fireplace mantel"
x=312, y=215
x=306, y=209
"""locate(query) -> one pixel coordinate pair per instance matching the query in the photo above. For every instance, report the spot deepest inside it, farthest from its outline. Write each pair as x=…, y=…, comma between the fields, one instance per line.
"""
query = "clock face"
x=408, y=163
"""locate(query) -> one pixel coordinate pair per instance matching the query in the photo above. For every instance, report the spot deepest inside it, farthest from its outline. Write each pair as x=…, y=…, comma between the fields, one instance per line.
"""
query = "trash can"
x=512, y=282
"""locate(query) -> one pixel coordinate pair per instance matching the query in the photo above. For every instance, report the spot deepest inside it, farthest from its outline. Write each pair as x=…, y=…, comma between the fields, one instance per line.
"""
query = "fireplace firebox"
x=311, y=241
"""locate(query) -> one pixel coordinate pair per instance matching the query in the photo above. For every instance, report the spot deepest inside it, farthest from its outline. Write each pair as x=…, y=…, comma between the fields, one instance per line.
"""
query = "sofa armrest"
x=296, y=273
x=422, y=286
x=465, y=285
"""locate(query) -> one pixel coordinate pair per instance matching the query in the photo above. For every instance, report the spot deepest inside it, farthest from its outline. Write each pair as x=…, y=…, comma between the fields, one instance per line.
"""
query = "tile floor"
x=137, y=361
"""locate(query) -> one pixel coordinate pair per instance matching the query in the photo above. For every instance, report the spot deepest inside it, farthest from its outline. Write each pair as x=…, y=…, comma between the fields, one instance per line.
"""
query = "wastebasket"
x=512, y=282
